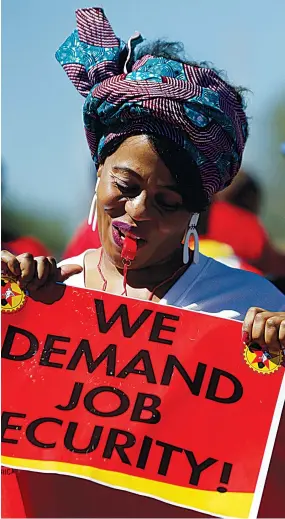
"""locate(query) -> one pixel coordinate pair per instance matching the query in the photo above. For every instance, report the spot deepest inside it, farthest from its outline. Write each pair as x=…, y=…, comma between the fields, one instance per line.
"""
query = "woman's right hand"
x=38, y=275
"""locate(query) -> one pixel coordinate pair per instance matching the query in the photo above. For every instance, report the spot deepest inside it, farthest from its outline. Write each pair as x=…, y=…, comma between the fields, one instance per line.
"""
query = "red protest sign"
x=138, y=396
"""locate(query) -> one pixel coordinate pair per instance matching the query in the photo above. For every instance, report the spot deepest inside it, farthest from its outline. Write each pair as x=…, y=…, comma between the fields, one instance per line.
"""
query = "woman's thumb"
x=65, y=271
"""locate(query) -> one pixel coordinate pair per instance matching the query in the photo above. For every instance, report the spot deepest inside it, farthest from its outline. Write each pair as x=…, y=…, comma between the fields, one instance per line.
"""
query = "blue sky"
x=43, y=141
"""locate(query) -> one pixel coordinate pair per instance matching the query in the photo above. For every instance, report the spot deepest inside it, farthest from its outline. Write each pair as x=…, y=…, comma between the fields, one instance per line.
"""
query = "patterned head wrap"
x=190, y=105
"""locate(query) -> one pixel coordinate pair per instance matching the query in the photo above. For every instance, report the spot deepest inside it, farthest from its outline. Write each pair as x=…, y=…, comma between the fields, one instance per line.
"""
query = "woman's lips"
x=122, y=229
x=117, y=237
x=123, y=226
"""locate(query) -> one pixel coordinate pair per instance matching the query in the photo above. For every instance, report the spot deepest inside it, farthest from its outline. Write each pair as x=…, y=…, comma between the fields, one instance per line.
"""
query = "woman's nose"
x=138, y=207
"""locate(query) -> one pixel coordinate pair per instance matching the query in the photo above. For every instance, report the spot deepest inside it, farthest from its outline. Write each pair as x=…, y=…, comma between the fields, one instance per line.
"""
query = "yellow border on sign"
x=231, y=504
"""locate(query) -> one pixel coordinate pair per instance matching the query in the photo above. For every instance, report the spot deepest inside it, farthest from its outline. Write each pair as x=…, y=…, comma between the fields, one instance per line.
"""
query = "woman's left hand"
x=265, y=328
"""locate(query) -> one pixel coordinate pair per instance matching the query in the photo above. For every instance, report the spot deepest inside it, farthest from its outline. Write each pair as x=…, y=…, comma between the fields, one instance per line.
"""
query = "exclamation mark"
x=226, y=472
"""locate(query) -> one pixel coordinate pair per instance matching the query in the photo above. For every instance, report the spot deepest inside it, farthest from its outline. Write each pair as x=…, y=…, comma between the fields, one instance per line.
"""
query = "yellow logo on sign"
x=261, y=360
x=12, y=297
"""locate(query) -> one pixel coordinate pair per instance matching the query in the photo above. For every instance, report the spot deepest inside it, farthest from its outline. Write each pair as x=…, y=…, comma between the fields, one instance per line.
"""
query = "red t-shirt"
x=26, y=244
x=238, y=228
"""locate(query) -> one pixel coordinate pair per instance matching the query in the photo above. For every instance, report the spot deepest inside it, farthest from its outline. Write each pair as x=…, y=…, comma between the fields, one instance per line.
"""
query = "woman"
x=165, y=135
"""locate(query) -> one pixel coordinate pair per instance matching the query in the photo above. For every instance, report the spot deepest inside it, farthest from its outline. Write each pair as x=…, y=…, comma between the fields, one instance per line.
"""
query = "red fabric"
x=83, y=239
x=26, y=244
x=238, y=228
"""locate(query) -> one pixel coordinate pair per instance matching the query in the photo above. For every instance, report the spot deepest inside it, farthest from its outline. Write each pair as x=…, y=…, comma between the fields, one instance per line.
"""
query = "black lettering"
x=144, y=452
x=74, y=399
x=148, y=372
x=84, y=350
x=194, y=385
x=122, y=313
x=140, y=406
x=197, y=469
x=158, y=326
x=111, y=445
x=168, y=450
x=213, y=386
x=225, y=476
x=49, y=349
x=31, y=429
x=8, y=343
x=93, y=444
x=89, y=401
x=5, y=425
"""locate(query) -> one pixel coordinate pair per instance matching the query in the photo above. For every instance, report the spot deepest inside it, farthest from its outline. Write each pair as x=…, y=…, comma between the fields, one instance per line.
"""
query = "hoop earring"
x=192, y=231
x=92, y=218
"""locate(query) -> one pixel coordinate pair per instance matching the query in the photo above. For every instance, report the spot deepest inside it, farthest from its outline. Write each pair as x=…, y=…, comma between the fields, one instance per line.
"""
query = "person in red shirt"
x=83, y=239
x=232, y=219
x=20, y=244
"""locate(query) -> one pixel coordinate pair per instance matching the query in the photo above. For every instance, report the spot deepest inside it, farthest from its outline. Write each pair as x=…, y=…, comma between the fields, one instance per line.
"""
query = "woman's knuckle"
x=260, y=317
x=13, y=261
x=43, y=259
x=252, y=310
x=271, y=322
x=27, y=256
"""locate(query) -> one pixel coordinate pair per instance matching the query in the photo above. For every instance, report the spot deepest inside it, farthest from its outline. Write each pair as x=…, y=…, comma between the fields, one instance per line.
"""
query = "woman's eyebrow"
x=125, y=169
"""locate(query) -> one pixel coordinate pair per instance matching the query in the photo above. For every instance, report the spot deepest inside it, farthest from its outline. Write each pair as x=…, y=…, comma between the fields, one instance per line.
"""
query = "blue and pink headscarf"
x=190, y=105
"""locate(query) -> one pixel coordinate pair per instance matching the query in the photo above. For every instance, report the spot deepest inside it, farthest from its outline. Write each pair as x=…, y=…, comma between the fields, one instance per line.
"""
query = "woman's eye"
x=171, y=207
x=124, y=188
x=167, y=205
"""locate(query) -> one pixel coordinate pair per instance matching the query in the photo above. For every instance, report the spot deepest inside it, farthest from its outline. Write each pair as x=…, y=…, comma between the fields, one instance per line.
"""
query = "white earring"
x=92, y=218
x=192, y=231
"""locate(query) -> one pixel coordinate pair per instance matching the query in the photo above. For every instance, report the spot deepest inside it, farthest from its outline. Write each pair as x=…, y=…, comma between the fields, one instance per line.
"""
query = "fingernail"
x=245, y=337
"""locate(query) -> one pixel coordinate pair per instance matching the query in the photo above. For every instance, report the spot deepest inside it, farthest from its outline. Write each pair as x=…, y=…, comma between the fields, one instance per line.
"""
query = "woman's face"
x=137, y=196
